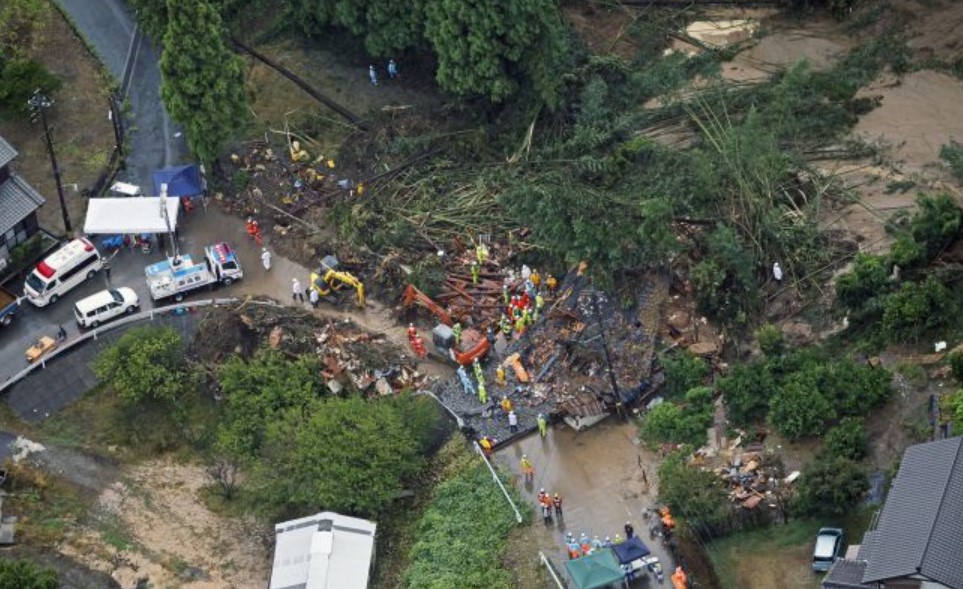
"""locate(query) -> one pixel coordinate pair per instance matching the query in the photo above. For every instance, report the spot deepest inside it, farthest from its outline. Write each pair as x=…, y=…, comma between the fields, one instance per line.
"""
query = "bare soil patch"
x=82, y=135
x=152, y=525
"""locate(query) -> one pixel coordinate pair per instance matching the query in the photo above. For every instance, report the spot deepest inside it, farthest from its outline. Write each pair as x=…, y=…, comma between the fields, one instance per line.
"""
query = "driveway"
x=153, y=140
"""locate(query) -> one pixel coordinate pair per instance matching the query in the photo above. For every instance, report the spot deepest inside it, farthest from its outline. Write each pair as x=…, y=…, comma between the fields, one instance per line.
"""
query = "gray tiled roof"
x=868, y=546
x=921, y=527
x=7, y=152
x=17, y=200
x=845, y=574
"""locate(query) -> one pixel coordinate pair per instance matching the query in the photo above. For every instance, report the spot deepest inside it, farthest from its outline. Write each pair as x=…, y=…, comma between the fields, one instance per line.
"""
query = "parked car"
x=41, y=346
x=105, y=305
x=829, y=547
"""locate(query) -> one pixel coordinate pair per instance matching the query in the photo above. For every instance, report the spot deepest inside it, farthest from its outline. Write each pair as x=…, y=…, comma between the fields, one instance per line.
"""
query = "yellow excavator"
x=328, y=279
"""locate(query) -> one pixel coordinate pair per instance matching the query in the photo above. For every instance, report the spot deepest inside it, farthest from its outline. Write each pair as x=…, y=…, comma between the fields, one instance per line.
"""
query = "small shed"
x=323, y=551
x=600, y=569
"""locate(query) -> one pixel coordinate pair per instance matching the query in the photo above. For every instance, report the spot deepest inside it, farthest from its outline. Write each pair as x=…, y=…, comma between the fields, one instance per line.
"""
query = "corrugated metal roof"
x=7, y=152
x=845, y=574
x=323, y=551
x=17, y=200
x=920, y=529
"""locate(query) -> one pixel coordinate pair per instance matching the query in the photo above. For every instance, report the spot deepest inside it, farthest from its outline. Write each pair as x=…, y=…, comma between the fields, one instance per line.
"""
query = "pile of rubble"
x=753, y=475
x=563, y=355
x=350, y=358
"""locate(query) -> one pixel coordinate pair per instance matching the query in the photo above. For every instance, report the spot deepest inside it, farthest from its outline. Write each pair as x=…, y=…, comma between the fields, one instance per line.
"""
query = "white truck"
x=178, y=276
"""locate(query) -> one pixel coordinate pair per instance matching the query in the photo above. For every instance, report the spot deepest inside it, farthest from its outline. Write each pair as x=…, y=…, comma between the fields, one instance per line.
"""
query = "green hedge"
x=462, y=536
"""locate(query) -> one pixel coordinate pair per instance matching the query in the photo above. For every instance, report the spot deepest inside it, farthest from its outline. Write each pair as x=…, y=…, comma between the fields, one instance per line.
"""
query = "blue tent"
x=631, y=549
x=180, y=180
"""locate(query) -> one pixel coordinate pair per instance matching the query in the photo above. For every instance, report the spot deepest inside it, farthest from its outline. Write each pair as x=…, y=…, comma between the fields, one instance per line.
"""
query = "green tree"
x=23, y=574
x=799, y=409
x=347, y=455
x=19, y=78
x=683, y=371
x=916, y=309
x=675, y=424
x=771, y=341
x=203, y=82
x=848, y=439
x=694, y=495
x=485, y=47
x=747, y=389
x=386, y=27
x=829, y=485
x=257, y=392
x=861, y=290
x=146, y=364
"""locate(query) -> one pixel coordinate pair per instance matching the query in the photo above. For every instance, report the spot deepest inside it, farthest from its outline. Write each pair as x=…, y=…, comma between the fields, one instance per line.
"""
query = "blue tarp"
x=632, y=549
x=180, y=180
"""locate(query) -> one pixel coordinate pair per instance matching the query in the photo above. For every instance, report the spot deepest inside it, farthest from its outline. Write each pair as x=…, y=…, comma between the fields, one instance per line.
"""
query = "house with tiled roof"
x=917, y=542
x=18, y=205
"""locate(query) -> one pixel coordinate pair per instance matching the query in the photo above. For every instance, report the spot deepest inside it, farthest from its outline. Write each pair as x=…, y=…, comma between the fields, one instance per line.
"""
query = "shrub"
x=23, y=574
x=771, y=341
x=848, y=440
x=683, y=371
x=952, y=154
x=956, y=365
x=799, y=409
x=860, y=290
x=696, y=496
x=747, y=390
x=462, y=536
x=829, y=485
x=917, y=309
x=936, y=225
x=146, y=364
x=671, y=423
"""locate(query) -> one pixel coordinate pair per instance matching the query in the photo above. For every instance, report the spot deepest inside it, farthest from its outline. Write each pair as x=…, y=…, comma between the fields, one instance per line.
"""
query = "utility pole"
x=39, y=103
x=596, y=308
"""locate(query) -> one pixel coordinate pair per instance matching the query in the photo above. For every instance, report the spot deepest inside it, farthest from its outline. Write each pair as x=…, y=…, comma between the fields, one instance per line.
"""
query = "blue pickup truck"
x=9, y=304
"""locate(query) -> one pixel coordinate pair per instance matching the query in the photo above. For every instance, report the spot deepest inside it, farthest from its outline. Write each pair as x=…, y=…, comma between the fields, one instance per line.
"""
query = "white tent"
x=135, y=215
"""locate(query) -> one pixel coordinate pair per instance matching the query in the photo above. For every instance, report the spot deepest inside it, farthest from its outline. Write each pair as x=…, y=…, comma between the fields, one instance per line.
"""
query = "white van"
x=61, y=271
x=105, y=305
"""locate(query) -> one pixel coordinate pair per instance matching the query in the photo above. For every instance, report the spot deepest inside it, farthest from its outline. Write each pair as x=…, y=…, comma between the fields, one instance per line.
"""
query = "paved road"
x=109, y=27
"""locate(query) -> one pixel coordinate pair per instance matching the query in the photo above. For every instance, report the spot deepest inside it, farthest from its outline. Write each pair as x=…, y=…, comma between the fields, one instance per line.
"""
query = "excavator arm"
x=338, y=280
x=413, y=296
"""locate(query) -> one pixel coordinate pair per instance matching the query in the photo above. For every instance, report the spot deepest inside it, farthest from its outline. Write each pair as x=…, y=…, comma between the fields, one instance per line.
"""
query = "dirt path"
x=152, y=525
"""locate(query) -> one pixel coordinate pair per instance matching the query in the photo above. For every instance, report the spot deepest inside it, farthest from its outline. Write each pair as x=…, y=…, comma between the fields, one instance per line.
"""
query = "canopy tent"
x=180, y=180
x=134, y=215
x=631, y=549
x=595, y=570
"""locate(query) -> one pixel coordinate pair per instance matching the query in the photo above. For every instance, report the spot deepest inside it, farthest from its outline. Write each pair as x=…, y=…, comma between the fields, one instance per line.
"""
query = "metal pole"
x=518, y=514
x=551, y=570
x=38, y=104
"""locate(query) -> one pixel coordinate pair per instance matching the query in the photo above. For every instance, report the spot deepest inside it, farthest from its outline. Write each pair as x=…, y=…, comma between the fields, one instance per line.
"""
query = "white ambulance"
x=61, y=271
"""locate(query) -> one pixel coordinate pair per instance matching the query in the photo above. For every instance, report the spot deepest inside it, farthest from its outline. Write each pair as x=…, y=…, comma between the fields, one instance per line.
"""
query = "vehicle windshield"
x=117, y=296
x=36, y=283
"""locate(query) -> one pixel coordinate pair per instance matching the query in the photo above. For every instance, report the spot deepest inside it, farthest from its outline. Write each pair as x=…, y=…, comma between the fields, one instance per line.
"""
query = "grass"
x=779, y=556
x=81, y=132
x=47, y=507
x=101, y=422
